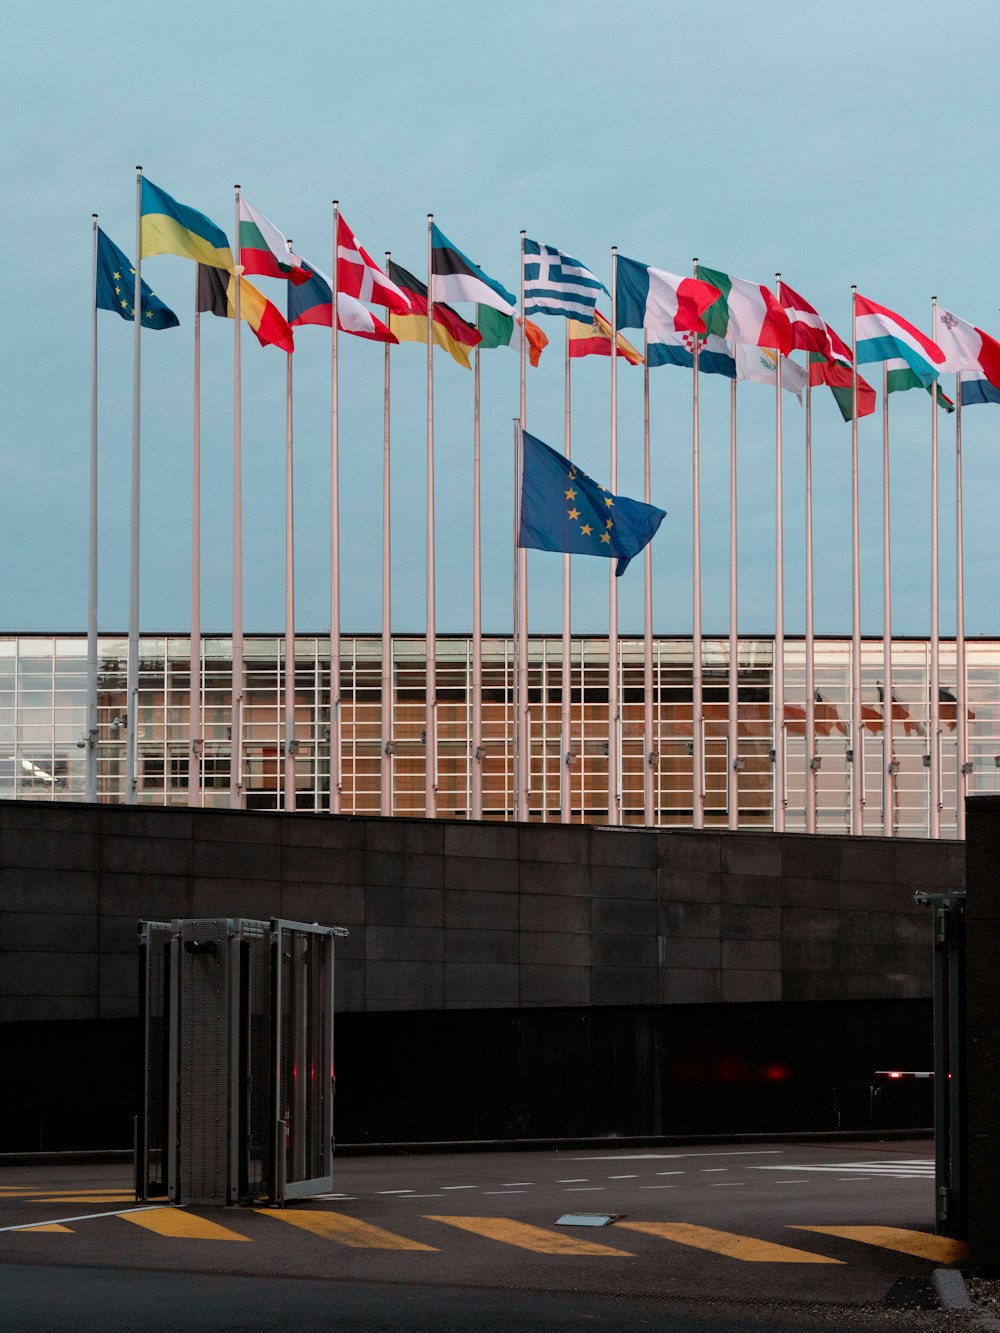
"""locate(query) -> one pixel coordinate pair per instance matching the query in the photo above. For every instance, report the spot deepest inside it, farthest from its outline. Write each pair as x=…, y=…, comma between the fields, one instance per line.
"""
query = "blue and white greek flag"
x=556, y=284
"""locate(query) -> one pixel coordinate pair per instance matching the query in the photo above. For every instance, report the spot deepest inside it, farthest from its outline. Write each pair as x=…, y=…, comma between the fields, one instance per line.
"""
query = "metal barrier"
x=236, y=1023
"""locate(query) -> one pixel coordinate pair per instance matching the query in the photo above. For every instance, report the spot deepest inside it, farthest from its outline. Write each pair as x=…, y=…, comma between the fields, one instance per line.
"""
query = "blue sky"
x=837, y=145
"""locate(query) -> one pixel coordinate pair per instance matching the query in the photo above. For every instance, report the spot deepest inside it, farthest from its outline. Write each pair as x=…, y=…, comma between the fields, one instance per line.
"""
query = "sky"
x=837, y=146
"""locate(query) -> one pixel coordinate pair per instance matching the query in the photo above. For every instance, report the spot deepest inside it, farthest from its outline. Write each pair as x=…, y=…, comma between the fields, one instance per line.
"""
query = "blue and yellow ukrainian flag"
x=170, y=228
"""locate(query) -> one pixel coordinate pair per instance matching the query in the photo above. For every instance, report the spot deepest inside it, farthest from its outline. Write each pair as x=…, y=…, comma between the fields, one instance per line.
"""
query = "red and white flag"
x=967, y=348
x=810, y=331
x=359, y=276
x=353, y=317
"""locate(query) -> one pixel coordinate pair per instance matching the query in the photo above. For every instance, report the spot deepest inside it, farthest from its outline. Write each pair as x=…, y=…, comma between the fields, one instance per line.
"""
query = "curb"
x=953, y=1294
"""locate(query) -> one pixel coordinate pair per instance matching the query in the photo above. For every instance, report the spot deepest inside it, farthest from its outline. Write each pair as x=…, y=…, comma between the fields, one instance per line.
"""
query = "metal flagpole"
x=697, y=721
x=523, y=768
x=732, y=732
x=236, y=743
x=430, y=773
x=614, y=701
x=195, y=743
x=780, y=776
x=935, y=728
x=857, y=733
x=518, y=629
x=566, y=706
x=336, y=719
x=291, y=745
x=649, y=747
x=92, y=729
x=961, y=692
x=388, y=693
x=132, y=663
x=812, y=760
x=889, y=763
x=477, y=605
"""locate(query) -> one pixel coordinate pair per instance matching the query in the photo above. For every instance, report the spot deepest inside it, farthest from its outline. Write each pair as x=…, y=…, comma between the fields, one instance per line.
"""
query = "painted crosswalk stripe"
x=345, y=1230
x=527, y=1237
x=921, y=1244
x=728, y=1243
x=177, y=1224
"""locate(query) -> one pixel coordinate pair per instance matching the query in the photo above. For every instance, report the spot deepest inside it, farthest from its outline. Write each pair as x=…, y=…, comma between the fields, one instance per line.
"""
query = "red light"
x=894, y=1073
x=776, y=1073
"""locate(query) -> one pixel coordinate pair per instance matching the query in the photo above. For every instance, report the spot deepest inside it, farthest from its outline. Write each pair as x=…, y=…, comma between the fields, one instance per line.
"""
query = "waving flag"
x=562, y=509
x=216, y=296
x=499, y=330
x=170, y=228
x=454, y=277
x=810, y=331
x=715, y=356
x=116, y=288
x=312, y=303
x=899, y=376
x=978, y=389
x=595, y=340
x=264, y=249
x=967, y=349
x=760, y=364
x=883, y=335
x=359, y=276
x=450, y=330
x=556, y=284
x=650, y=298
x=746, y=312
x=837, y=376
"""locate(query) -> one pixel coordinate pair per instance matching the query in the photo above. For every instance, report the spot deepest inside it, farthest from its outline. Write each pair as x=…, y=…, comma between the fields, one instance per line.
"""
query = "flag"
x=170, y=228
x=216, y=296
x=760, y=364
x=810, y=331
x=562, y=509
x=555, y=284
x=116, y=288
x=595, y=340
x=499, y=330
x=312, y=303
x=715, y=356
x=450, y=330
x=264, y=249
x=837, y=377
x=746, y=312
x=456, y=278
x=359, y=276
x=978, y=389
x=882, y=335
x=967, y=349
x=649, y=298
x=899, y=377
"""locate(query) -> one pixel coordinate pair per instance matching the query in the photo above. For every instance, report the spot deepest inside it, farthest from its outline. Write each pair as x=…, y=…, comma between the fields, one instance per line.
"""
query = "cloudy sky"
x=853, y=143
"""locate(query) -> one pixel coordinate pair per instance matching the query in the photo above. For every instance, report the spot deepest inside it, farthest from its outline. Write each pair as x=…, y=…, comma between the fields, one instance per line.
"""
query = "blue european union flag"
x=116, y=288
x=562, y=509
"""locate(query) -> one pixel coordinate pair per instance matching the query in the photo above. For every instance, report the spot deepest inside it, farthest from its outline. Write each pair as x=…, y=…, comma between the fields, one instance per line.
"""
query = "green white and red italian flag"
x=746, y=312
x=264, y=250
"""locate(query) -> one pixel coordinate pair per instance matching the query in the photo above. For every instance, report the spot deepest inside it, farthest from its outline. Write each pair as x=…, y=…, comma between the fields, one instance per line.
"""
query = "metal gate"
x=236, y=1020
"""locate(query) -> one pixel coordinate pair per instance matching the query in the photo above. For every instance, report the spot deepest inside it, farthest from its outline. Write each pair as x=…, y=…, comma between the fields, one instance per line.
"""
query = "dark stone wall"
x=454, y=915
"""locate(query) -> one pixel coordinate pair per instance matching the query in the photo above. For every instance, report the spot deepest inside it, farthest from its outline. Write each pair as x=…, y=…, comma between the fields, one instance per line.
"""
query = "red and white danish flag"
x=359, y=276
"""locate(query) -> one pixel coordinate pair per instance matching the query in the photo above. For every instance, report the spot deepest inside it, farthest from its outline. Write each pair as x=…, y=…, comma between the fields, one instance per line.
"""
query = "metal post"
x=336, y=710
x=733, y=800
x=889, y=763
x=935, y=718
x=780, y=777
x=388, y=692
x=476, y=760
x=697, y=721
x=857, y=730
x=566, y=706
x=812, y=759
x=92, y=728
x=649, y=740
x=963, y=766
x=614, y=698
x=236, y=743
x=132, y=665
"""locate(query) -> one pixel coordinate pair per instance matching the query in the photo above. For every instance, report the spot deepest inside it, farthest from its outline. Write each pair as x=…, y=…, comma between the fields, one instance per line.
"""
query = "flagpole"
x=889, y=763
x=961, y=691
x=857, y=734
x=935, y=728
x=780, y=778
x=132, y=662
x=92, y=729
x=291, y=745
x=649, y=749
x=614, y=704
x=477, y=602
x=733, y=800
x=388, y=693
x=523, y=795
x=236, y=745
x=812, y=759
x=518, y=630
x=336, y=720
x=566, y=705
x=195, y=743
x=697, y=721
x=430, y=772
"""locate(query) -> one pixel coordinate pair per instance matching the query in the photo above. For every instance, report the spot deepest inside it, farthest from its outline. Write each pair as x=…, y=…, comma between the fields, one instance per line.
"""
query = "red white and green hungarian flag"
x=264, y=250
x=746, y=312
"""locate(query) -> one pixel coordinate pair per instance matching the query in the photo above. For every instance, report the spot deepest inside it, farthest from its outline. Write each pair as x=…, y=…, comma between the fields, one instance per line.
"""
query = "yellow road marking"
x=45, y=1226
x=346, y=1230
x=728, y=1243
x=182, y=1225
x=920, y=1244
x=528, y=1237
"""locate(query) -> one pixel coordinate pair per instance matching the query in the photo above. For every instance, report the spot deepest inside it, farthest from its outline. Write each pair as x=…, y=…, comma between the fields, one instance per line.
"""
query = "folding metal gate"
x=236, y=1103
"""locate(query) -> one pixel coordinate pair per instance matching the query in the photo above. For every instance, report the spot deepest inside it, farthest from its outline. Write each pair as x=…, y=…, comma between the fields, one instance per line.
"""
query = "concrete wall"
x=456, y=915
x=982, y=934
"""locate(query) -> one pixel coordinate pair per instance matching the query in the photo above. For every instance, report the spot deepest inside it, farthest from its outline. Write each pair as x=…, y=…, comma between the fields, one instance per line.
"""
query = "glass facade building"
x=43, y=727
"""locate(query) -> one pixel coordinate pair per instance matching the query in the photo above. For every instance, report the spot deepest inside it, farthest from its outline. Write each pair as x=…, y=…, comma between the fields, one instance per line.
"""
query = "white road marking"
x=461, y=1187
x=85, y=1217
x=918, y=1169
x=705, y=1170
x=583, y=1189
x=726, y=1184
x=632, y=1177
x=572, y=1180
x=512, y=1183
x=663, y=1156
x=393, y=1191
x=431, y=1196
x=507, y=1191
x=668, y=1173
x=657, y=1187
